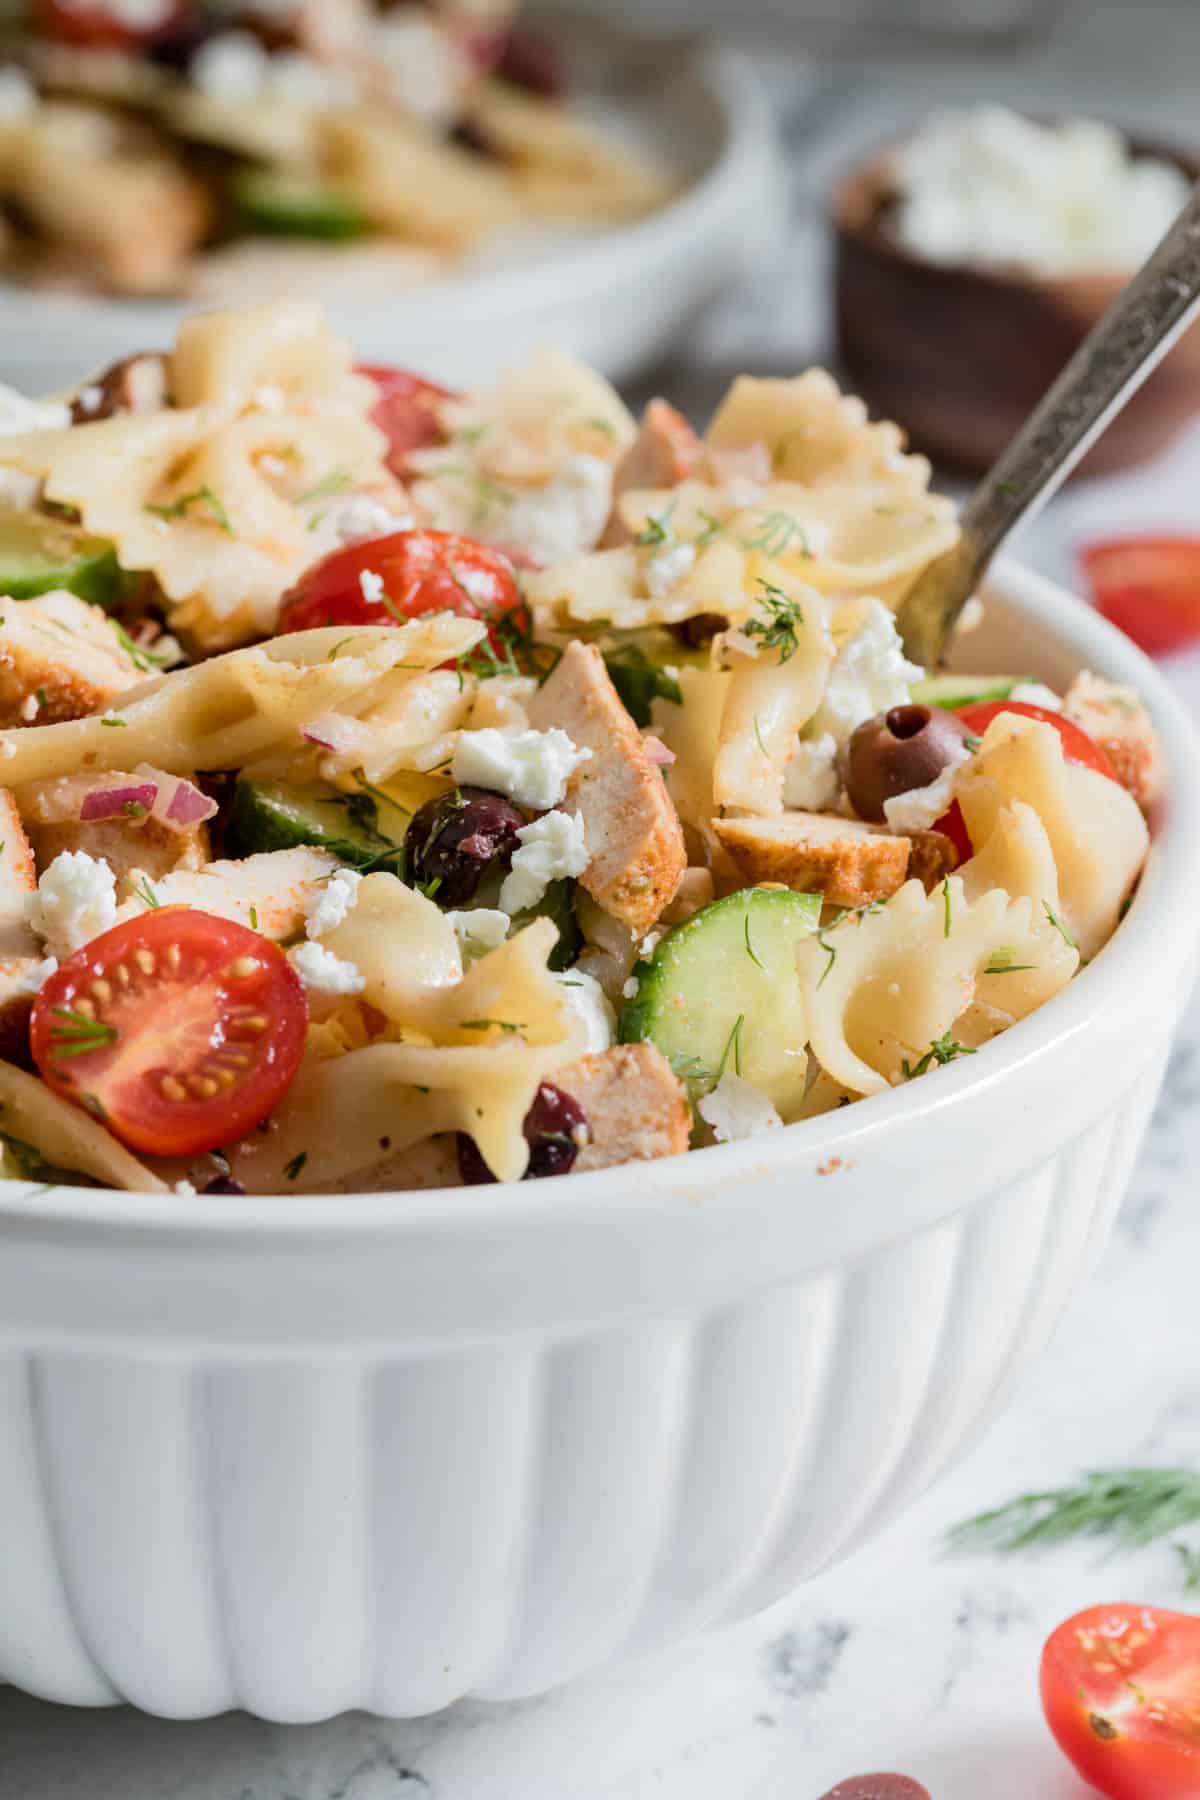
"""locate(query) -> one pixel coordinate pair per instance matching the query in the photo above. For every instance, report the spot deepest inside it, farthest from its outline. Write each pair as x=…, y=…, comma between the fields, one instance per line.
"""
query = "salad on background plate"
x=404, y=788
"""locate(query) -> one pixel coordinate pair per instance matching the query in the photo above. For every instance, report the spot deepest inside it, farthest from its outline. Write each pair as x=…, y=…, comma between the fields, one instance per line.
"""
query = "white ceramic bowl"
x=618, y=298
x=382, y=1451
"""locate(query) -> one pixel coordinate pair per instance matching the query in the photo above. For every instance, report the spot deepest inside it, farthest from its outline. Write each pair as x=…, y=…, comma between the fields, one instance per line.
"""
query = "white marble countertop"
x=901, y=1658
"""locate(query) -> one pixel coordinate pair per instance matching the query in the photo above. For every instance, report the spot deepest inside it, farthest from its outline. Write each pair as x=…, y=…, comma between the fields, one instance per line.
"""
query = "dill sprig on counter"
x=1130, y=1508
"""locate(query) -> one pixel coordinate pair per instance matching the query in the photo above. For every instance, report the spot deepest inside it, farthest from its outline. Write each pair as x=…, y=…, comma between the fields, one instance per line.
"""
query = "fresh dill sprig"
x=178, y=509
x=778, y=629
x=943, y=1050
x=142, y=659
x=1063, y=930
x=656, y=530
x=775, y=533
x=80, y=1035
x=1002, y=963
x=758, y=963
x=947, y=919
x=1130, y=1508
x=336, y=482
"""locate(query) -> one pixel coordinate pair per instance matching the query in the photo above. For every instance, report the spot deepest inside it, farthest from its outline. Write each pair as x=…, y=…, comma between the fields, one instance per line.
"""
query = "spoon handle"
x=1107, y=369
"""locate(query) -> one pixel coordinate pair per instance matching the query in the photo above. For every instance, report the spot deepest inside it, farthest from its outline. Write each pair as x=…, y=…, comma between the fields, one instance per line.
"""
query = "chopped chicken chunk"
x=847, y=862
x=59, y=659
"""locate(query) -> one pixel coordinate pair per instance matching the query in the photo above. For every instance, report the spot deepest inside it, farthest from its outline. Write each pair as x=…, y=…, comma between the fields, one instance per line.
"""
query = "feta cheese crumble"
x=76, y=900
x=591, y=1004
x=564, y=517
x=332, y=901
x=326, y=973
x=665, y=572
x=361, y=516
x=552, y=849
x=810, y=780
x=371, y=586
x=18, y=414
x=1035, y=693
x=736, y=1109
x=478, y=931
x=422, y=66
x=630, y=988
x=991, y=187
x=921, y=808
x=34, y=979
x=184, y=1190
x=870, y=672
x=531, y=767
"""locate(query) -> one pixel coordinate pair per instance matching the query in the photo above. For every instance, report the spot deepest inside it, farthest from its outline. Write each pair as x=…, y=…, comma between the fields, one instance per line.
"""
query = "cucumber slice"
x=720, y=994
x=39, y=554
x=275, y=815
x=952, y=691
x=284, y=206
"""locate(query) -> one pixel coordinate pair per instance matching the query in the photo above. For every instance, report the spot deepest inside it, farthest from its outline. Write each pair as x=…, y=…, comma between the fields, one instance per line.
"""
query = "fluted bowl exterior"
x=305, y=1455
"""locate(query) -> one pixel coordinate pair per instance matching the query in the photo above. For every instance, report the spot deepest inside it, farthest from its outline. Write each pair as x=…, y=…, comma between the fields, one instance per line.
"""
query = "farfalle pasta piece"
x=405, y=180
x=237, y=709
x=884, y=986
x=816, y=435
x=1096, y=832
x=692, y=733
x=66, y=1136
x=405, y=949
x=1016, y=857
x=772, y=696
x=224, y=498
x=489, y=1041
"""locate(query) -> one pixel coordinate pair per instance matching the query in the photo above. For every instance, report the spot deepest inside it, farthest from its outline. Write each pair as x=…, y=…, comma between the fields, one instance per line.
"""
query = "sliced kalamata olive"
x=555, y=1130
x=878, y=1787
x=469, y=134
x=223, y=1184
x=897, y=751
x=136, y=384
x=454, y=841
x=700, y=629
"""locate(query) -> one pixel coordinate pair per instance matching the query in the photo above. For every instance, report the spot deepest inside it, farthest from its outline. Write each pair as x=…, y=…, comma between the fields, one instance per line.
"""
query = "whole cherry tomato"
x=1121, y=1693
x=1078, y=747
x=389, y=580
x=178, y=1030
x=97, y=27
x=1149, y=587
x=407, y=412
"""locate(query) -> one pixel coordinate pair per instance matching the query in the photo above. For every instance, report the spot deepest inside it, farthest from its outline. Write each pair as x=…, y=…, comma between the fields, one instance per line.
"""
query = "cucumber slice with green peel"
x=720, y=994
x=39, y=554
x=953, y=691
x=275, y=815
x=639, y=681
x=281, y=205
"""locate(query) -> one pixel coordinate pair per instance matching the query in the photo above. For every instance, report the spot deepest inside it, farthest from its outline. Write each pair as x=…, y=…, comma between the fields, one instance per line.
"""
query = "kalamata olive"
x=700, y=629
x=554, y=1129
x=532, y=62
x=454, y=841
x=223, y=1184
x=897, y=751
x=877, y=1787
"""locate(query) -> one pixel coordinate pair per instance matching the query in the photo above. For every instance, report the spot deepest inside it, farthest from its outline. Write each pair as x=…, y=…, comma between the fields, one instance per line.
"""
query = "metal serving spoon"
x=1107, y=369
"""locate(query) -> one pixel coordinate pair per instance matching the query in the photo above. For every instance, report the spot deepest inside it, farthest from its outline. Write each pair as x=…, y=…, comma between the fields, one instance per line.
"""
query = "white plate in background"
x=618, y=298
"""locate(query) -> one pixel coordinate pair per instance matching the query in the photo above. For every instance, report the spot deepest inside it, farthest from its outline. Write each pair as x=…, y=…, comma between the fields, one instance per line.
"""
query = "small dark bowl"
x=960, y=355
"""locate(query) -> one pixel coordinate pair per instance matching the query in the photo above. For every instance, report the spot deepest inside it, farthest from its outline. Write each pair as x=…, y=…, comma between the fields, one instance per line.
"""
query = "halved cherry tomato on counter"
x=407, y=412
x=1149, y=587
x=178, y=1030
x=99, y=27
x=419, y=572
x=1121, y=1693
x=1078, y=747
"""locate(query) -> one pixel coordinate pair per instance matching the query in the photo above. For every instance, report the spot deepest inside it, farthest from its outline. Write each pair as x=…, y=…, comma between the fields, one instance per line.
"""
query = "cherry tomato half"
x=99, y=27
x=180, y=1031
x=420, y=572
x=1149, y=587
x=1078, y=747
x=1121, y=1693
x=407, y=412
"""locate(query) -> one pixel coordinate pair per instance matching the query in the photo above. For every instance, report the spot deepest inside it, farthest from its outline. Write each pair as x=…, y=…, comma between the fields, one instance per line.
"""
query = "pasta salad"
x=405, y=788
x=229, y=150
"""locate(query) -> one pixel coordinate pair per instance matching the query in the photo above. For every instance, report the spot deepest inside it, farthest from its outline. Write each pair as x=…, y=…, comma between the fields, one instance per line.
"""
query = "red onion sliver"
x=658, y=753
x=115, y=803
x=332, y=731
x=189, y=806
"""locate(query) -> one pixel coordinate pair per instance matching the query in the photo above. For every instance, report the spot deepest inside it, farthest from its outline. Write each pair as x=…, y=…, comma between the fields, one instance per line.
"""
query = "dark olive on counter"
x=454, y=841
x=877, y=1787
x=897, y=751
x=555, y=1128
